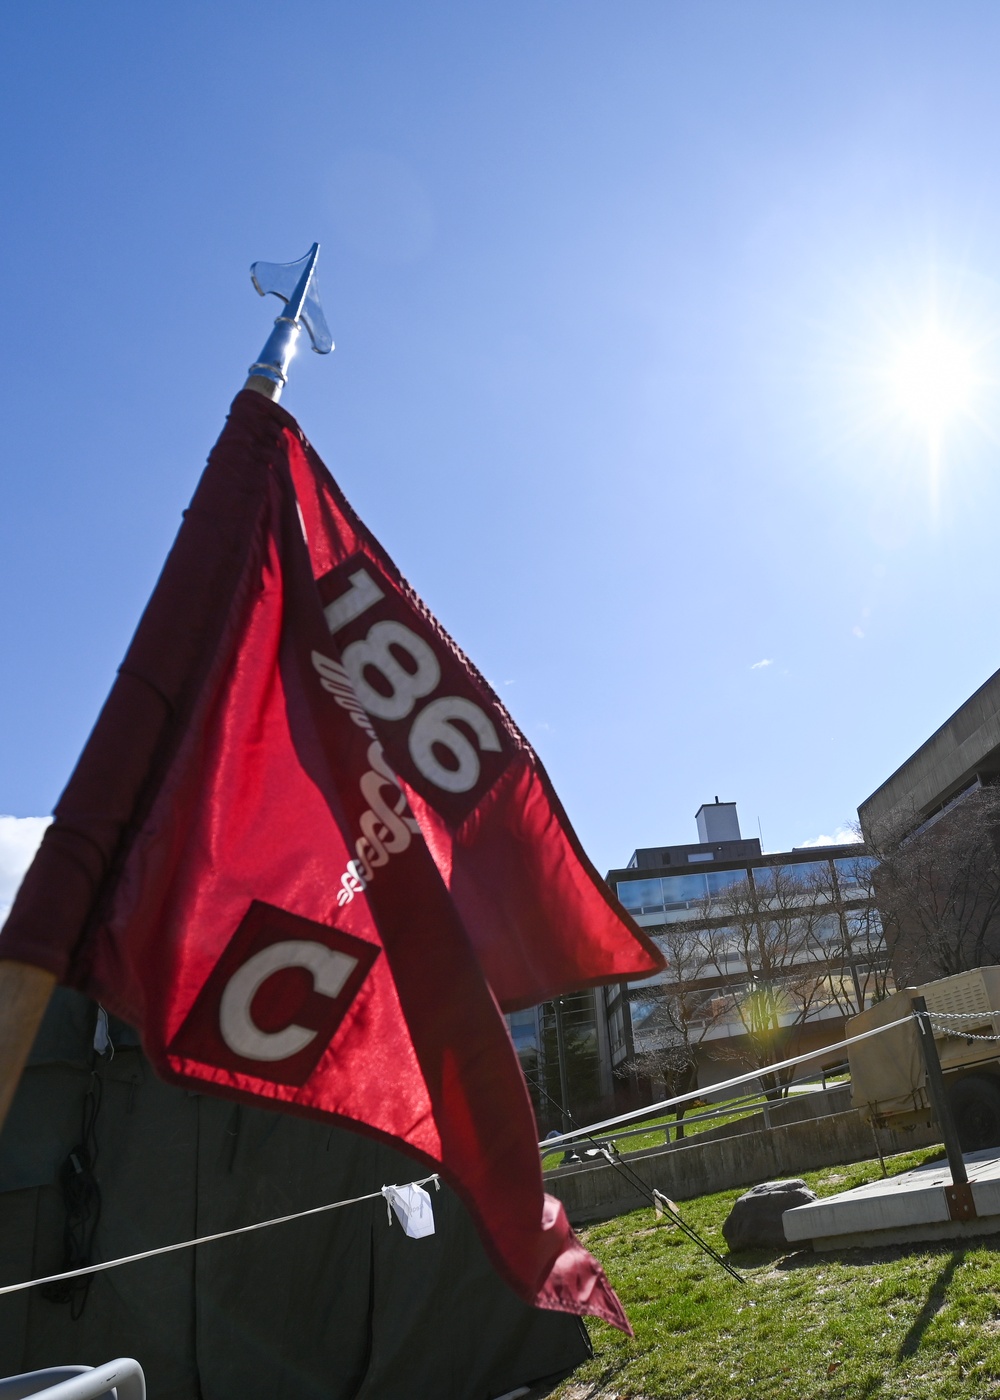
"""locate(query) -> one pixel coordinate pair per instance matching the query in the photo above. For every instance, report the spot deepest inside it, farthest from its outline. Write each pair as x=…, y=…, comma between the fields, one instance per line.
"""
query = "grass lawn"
x=899, y=1323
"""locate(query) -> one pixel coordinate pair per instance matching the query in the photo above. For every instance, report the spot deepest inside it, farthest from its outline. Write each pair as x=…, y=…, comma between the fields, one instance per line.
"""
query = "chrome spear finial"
x=295, y=284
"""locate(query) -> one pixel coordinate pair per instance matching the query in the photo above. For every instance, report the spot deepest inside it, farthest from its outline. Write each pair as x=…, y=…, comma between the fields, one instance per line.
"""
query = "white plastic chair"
x=122, y=1378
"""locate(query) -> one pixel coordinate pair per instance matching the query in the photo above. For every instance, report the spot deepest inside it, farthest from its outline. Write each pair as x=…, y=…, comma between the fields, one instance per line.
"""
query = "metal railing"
x=732, y=1110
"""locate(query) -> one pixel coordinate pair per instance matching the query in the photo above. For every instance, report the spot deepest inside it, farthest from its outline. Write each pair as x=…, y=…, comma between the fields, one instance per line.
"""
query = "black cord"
x=82, y=1199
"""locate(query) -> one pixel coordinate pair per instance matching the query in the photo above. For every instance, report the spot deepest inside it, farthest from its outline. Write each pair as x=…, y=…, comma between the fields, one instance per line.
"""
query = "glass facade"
x=804, y=947
x=641, y=896
x=674, y=898
x=721, y=880
x=641, y=1011
x=524, y=1033
x=536, y=1041
x=864, y=924
x=854, y=873
x=806, y=875
x=828, y=929
x=616, y=1031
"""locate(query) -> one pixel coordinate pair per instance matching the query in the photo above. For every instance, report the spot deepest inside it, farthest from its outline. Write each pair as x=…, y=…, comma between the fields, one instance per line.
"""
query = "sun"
x=932, y=380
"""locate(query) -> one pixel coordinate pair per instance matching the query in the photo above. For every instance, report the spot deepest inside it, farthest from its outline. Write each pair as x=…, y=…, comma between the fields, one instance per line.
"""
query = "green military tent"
x=337, y=1305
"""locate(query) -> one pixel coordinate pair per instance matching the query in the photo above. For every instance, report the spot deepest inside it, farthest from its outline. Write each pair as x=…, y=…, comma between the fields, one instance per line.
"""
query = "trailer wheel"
x=975, y=1106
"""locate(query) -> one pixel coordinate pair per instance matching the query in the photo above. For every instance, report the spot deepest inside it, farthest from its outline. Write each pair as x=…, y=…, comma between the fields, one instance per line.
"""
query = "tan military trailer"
x=888, y=1077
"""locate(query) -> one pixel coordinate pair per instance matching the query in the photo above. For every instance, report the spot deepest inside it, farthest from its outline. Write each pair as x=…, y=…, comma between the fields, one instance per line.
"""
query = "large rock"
x=755, y=1220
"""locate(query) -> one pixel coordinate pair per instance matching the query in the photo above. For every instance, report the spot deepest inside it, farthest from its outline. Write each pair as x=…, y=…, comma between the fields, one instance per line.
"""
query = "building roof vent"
x=717, y=821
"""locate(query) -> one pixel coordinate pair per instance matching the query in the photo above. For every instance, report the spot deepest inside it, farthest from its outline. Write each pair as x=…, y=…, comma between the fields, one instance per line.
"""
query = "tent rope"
x=613, y=1157
x=207, y=1239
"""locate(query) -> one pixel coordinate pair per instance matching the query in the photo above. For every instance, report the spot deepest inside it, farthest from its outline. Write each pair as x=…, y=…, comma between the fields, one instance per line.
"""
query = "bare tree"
x=938, y=888
x=672, y=1015
x=785, y=946
x=854, y=939
x=763, y=955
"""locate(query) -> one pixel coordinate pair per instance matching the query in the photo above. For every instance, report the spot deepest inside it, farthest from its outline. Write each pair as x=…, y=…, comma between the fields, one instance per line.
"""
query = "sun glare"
x=913, y=386
x=932, y=380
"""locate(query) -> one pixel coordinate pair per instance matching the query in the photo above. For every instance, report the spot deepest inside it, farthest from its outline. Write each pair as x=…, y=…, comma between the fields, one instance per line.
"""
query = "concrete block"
x=911, y=1206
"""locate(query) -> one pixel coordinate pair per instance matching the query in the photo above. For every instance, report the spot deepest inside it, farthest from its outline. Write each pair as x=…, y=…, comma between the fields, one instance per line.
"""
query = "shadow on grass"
x=860, y=1257
x=933, y=1304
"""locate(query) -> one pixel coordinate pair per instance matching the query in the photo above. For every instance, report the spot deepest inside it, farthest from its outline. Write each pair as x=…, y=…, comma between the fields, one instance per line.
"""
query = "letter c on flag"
x=330, y=970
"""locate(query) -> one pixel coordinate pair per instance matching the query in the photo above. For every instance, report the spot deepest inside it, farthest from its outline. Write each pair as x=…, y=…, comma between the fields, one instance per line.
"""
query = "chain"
x=963, y=1015
x=958, y=1035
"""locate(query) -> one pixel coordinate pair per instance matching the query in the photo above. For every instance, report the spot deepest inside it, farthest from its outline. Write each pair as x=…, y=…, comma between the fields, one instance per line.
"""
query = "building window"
x=805, y=874
x=853, y=872
x=616, y=1033
x=683, y=891
x=641, y=896
x=719, y=880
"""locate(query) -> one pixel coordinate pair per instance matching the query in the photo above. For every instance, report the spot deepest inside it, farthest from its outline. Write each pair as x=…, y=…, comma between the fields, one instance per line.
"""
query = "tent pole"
x=24, y=995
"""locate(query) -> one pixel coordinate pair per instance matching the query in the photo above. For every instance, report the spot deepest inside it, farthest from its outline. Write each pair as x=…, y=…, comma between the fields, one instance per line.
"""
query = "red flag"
x=306, y=850
x=540, y=917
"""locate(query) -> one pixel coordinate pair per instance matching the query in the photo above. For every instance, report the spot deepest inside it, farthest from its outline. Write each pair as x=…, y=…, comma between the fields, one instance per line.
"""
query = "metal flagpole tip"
x=295, y=283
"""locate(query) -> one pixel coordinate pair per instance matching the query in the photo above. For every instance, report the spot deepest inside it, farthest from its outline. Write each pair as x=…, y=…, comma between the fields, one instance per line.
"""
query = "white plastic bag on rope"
x=413, y=1209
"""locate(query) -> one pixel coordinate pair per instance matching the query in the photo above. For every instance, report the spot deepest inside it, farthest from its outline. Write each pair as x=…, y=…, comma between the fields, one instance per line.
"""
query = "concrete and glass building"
x=936, y=821
x=779, y=945
x=583, y=1083
x=961, y=757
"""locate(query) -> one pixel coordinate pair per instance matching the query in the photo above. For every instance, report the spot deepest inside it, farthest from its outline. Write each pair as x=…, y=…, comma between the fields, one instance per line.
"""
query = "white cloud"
x=843, y=836
x=759, y=665
x=19, y=838
x=857, y=631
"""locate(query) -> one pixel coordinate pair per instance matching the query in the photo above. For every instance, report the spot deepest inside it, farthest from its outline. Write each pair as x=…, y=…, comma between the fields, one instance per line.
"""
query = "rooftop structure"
x=719, y=839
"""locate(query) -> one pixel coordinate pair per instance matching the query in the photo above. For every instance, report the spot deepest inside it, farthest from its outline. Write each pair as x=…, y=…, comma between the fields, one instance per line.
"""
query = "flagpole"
x=295, y=284
x=25, y=989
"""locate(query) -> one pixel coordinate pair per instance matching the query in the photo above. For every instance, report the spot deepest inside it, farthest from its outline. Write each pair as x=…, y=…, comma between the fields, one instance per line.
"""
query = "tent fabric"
x=326, y=1308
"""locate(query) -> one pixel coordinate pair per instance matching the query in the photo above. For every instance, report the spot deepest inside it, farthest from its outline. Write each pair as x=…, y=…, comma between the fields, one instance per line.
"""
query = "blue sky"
x=615, y=290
